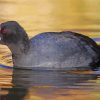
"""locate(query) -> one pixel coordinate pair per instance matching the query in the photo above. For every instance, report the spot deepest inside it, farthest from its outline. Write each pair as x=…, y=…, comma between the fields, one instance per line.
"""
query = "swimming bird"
x=49, y=50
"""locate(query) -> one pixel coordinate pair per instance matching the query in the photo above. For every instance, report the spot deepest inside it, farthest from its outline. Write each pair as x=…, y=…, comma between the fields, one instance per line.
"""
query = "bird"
x=49, y=50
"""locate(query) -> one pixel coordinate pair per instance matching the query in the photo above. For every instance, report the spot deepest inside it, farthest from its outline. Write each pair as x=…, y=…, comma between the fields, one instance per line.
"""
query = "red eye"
x=4, y=31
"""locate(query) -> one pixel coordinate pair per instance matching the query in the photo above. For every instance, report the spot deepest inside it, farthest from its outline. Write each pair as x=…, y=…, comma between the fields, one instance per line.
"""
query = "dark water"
x=38, y=16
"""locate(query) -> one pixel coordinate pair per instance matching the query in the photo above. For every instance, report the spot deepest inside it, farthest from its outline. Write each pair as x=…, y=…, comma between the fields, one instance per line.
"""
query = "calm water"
x=38, y=16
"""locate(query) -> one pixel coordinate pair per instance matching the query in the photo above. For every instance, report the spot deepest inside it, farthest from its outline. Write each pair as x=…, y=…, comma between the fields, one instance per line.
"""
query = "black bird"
x=49, y=50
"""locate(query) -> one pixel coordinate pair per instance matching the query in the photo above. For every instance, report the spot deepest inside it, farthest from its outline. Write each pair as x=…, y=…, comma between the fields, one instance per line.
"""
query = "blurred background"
x=38, y=16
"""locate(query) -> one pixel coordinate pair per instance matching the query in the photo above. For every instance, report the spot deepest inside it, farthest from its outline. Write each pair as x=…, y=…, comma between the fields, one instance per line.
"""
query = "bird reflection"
x=23, y=80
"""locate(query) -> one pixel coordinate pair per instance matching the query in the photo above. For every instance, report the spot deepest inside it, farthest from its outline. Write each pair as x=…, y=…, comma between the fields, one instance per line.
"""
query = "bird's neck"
x=18, y=51
x=19, y=48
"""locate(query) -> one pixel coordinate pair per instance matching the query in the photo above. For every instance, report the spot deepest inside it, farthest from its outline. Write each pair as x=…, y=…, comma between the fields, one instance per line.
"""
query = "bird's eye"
x=4, y=31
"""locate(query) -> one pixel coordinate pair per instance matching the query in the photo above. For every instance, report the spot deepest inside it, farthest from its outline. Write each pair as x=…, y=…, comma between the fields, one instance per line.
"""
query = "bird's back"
x=63, y=49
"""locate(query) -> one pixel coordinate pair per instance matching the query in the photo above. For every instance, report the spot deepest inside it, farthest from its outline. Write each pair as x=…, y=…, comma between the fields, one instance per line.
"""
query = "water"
x=49, y=85
x=38, y=16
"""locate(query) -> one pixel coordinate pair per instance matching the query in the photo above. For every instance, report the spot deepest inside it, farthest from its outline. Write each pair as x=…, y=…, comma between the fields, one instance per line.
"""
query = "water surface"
x=38, y=16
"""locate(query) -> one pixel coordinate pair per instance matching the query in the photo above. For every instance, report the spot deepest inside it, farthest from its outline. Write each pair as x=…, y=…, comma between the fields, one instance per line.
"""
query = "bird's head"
x=11, y=32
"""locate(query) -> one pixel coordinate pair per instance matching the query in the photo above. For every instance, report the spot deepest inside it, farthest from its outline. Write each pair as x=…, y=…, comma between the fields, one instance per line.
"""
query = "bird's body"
x=55, y=50
x=59, y=50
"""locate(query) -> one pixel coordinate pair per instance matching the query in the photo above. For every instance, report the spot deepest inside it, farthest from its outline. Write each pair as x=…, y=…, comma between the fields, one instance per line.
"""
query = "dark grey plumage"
x=49, y=50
